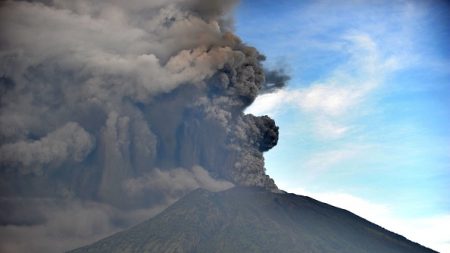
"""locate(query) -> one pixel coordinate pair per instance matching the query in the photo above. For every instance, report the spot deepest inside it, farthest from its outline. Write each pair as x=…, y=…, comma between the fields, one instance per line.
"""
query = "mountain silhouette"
x=248, y=219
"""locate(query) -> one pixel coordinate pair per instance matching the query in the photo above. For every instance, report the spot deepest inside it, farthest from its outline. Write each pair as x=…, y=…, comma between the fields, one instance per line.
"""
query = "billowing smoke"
x=112, y=110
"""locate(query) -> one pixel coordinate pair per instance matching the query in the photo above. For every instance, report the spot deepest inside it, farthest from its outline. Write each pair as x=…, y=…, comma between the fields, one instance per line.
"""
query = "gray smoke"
x=112, y=110
x=275, y=80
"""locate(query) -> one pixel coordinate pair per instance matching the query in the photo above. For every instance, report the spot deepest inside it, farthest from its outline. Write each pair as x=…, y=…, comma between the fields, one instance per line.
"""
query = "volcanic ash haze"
x=112, y=110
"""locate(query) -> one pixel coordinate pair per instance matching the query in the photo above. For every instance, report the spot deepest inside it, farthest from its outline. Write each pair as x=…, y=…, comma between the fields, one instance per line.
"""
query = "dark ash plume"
x=275, y=79
x=115, y=109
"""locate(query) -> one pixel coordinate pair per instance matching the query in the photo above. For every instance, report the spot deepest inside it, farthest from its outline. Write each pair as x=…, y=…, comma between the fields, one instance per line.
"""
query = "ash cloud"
x=275, y=80
x=113, y=110
x=68, y=144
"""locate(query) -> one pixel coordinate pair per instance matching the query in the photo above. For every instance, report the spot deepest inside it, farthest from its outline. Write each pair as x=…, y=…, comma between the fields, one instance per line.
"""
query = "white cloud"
x=324, y=160
x=329, y=129
x=269, y=103
x=341, y=94
x=431, y=231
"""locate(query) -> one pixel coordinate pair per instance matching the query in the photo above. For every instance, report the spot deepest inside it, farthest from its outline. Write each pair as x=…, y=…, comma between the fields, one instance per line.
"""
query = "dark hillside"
x=254, y=220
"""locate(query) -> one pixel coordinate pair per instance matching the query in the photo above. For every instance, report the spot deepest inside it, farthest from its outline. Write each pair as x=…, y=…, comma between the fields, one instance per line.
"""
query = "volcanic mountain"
x=248, y=219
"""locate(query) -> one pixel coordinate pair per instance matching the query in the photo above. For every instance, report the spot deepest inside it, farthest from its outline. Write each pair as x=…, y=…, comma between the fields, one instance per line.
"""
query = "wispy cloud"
x=323, y=161
x=339, y=95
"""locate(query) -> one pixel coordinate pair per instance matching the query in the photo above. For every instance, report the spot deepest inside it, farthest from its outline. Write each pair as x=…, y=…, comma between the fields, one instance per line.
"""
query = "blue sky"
x=365, y=120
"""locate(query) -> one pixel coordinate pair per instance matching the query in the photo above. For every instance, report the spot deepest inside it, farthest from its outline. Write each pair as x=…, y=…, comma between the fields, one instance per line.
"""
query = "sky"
x=365, y=120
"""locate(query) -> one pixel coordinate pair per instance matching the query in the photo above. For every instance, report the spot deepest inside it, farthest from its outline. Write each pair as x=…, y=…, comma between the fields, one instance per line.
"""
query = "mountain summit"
x=248, y=219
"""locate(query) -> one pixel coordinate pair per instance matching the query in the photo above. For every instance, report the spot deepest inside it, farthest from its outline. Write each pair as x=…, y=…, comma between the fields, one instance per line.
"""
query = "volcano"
x=252, y=219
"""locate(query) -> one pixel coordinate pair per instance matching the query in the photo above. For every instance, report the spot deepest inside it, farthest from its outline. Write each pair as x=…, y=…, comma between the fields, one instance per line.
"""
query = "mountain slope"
x=254, y=220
